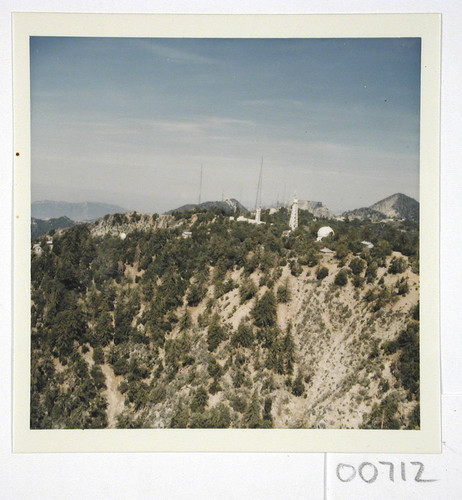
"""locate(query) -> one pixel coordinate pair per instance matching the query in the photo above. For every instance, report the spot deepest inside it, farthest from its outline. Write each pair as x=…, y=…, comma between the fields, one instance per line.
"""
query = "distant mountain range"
x=75, y=211
x=396, y=206
x=229, y=206
x=39, y=226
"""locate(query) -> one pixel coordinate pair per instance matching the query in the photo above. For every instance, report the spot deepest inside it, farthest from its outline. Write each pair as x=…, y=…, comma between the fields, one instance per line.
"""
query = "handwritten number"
x=391, y=473
x=344, y=466
x=418, y=476
x=374, y=474
x=403, y=471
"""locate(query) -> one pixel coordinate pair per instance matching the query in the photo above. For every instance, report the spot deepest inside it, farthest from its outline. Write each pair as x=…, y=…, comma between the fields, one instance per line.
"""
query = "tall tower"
x=259, y=186
x=200, y=187
x=293, y=222
x=258, y=215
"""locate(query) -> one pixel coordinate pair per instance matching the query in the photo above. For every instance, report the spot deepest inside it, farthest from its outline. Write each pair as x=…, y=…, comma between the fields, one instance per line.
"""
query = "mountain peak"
x=395, y=206
x=399, y=206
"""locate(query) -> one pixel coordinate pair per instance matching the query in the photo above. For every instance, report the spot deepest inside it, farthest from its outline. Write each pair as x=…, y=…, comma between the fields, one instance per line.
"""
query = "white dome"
x=123, y=236
x=324, y=232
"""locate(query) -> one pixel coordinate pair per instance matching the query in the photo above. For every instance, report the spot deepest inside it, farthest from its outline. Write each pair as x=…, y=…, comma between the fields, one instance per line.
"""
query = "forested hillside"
x=138, y=324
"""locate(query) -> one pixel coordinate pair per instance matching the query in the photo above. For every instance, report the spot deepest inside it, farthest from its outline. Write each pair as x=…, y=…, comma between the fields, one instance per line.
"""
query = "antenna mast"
x=200, y=187
x=259, y=187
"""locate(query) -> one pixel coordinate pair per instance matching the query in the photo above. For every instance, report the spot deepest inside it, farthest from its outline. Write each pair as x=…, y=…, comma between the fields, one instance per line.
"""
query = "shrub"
x=297, y=387
x=357, y=265
x=341, y=252
x=98, y=377
x=215, y=335
x=195, y=295
x=371, y=271
x=390, y=346
x=120, y=366
x=322, y=272
x=358, y=281
x=403, y=287
x=98, y=355
x=252, y=416
x=295, y=268
x=283, y=292
x=180, y=417
x=247, y=290
x=341, y=279
x=123, y=387
x=264, y=313
x=199, y=400
x=214, y=369
x=243, y=336
x=397, y=265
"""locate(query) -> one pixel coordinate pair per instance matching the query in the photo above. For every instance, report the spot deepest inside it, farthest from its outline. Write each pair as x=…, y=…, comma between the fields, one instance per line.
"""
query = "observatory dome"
x=324, y=232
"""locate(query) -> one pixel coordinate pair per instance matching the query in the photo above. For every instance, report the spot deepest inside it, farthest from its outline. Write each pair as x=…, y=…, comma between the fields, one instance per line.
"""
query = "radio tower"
x=258, y=199
x=200, y=187
x=293, y=222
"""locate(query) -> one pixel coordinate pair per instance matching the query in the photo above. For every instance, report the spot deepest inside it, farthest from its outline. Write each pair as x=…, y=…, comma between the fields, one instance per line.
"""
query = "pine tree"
x=252, y=416
x=264, y=313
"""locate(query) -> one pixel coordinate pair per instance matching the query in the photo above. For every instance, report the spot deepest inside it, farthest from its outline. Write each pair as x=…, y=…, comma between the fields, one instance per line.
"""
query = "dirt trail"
x=114, y=398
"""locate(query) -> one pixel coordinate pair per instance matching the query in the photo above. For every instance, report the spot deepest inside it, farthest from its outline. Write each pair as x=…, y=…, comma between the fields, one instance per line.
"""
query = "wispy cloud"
x=174, y=55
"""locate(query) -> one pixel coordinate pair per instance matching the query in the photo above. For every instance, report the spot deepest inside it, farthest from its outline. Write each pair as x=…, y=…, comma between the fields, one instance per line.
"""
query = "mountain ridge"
x=317, y=208
x=230, y=205
x=39, y=226
x=88, y=210
x=395, y=206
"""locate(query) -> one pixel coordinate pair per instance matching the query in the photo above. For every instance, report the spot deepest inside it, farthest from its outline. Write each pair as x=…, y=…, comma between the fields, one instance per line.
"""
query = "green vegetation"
x=322, y=273
x=341, y=278
x=215, y=330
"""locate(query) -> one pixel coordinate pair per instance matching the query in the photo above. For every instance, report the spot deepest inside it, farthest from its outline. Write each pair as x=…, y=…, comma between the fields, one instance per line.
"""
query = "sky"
x=130, y=121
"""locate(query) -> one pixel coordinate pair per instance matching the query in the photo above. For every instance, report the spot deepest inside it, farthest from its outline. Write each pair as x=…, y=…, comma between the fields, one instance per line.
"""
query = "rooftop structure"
x=257, y=220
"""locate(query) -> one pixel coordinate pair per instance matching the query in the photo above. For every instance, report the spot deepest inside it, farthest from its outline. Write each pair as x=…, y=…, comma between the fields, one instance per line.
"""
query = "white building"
x=257, y=219
x=37, y=249
x=324, y=232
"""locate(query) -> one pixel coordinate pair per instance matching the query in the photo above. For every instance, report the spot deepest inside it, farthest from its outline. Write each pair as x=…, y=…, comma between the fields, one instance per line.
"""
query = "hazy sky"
x=130, y=121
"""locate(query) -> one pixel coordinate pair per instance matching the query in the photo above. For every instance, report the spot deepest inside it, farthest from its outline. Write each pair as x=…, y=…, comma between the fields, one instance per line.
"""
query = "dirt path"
x=114, y=398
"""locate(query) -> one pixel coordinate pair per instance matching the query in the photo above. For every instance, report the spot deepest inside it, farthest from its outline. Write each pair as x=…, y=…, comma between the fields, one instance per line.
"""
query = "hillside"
x=399, y=206
x=396, y=206
x=74, y=211
x=316, y=208
x=230, y=205
x=235, y=326
x=39, y=226
x=365, y=213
